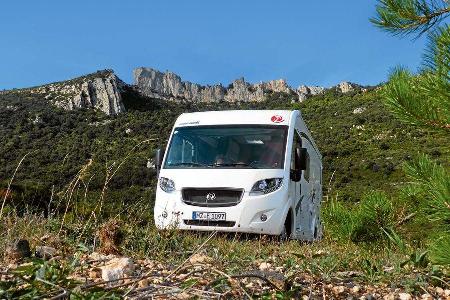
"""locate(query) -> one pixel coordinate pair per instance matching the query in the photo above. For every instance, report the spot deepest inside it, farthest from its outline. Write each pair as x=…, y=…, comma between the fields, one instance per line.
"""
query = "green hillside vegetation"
x=84, y=168
x=364, y=151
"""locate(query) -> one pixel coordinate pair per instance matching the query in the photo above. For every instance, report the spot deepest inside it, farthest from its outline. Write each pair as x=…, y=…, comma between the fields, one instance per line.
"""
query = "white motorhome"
x=252, y=171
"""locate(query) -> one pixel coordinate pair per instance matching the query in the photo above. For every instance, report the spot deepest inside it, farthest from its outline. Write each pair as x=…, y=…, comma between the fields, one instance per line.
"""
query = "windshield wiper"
x=238, y=164
x=188, y=164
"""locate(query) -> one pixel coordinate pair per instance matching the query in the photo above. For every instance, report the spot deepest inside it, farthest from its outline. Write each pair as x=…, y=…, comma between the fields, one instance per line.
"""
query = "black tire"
x=286, y=231
x=318, y=231
x=283, y=237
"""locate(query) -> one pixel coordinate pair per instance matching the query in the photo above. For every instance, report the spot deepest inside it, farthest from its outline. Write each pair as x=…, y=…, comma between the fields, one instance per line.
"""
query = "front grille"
x=212, y=197
x=209, y=223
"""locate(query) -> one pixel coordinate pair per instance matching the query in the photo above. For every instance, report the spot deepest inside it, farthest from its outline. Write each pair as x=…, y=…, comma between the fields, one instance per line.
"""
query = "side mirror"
x=299, y=164
x=158, y=159
x=302, y=154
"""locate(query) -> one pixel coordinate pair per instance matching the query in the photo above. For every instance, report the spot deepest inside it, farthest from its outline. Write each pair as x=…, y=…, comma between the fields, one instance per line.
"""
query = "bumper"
x=171, y=212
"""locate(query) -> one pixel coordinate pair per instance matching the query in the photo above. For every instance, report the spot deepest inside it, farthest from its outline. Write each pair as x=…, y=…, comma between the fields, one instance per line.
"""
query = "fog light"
x=263, y=217
x=164, y=214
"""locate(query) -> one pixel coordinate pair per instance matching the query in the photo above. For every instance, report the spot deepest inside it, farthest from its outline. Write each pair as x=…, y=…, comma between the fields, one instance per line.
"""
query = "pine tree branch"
x=408, y=16
x=421, y=100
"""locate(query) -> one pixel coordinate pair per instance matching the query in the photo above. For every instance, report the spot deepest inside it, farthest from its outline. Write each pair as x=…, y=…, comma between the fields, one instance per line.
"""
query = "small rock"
x=264, y=266
x=45, y=237
x=426, y=297
x=199, y=258
x=183, y=295
x=304, y=297
x=359, y=110
x=440, y=291
x=320, y=253
x=181, y=277
x=356, y=289
x=151, y=164
x=447, y=293
x=388, y=269
x=117, y=268
x=404, y=296
x=45, y=252
x=100, y=257
x=12, y=266
x=338, y=289
x=279, y=269
x=249, y=285
x=347, y=274
x=94, y=273
x=18, y=250
x=143, y=283
x=390, y=296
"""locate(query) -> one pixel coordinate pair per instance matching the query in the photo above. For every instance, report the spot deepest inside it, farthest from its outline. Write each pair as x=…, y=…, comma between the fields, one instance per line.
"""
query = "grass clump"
x=365, y=221
x=372, y=218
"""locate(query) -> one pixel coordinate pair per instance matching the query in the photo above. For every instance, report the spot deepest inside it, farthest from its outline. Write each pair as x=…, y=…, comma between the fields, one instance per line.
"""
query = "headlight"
x=266, y=186
x=166, y=184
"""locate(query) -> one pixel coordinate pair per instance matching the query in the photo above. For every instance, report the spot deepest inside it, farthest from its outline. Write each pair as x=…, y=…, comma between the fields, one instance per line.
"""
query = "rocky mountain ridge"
x=169, y=86
x=102, y=90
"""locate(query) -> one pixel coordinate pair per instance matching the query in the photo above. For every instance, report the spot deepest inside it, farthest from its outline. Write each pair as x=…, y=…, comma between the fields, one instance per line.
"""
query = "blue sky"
x=305, y=42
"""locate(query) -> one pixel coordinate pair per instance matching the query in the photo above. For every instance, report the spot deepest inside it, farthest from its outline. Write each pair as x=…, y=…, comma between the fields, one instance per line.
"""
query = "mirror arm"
x=158, y=161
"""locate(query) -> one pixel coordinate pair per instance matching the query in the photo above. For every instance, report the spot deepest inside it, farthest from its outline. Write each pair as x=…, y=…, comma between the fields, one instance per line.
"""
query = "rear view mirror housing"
x=299, y=163
x=302, y=155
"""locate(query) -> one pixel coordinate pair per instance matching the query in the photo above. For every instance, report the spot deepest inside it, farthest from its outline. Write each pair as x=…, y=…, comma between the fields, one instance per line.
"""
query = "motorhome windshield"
x=237, y=146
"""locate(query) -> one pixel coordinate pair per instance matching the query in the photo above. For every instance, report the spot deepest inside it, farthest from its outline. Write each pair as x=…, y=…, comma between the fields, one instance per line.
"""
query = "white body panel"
x=299, y=199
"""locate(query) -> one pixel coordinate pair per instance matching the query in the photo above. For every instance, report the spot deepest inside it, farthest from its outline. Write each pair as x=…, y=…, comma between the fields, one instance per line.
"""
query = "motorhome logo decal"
x=277, y=119
x=210, y=197
x=190, y=123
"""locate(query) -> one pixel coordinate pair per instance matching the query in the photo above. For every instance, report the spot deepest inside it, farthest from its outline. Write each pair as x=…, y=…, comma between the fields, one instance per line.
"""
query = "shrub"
x=440, y=253
x=373, y=217
x=338, y=219
x=366, y=222
x=431, y=184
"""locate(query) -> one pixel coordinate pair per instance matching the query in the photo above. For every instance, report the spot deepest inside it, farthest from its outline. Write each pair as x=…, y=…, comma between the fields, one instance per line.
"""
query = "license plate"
x=210, y=216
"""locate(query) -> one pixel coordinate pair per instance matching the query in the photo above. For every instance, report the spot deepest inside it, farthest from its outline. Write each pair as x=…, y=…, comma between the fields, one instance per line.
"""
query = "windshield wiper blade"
x=189, y=164
x=234, y=165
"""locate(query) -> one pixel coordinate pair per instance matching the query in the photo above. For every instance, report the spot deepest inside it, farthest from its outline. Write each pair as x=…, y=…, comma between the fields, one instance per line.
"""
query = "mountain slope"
x=100, y=90
x=363, y=147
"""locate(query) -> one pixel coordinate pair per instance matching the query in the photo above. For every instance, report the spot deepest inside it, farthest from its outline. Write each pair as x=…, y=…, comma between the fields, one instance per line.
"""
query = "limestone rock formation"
x=240, y=90
x=100, y=90
x=169, y=86
x=304, y=91
x=101, y=93
x=346, y=87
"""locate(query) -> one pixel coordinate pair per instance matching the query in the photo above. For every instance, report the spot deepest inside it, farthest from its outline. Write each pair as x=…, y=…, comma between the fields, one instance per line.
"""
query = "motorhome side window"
x=224, y=146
